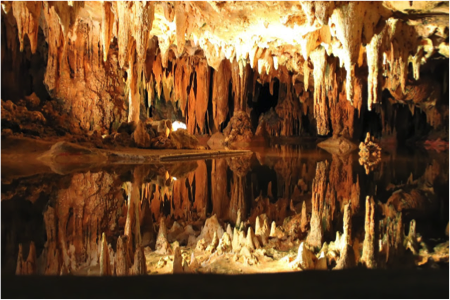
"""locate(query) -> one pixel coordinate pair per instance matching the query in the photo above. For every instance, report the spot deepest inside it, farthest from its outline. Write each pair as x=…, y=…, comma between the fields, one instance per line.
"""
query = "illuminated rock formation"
x=370, y=245
x=113, y=62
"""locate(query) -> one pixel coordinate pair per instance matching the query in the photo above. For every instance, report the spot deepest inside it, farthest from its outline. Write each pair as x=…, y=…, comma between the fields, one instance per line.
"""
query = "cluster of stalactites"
x=340, y=32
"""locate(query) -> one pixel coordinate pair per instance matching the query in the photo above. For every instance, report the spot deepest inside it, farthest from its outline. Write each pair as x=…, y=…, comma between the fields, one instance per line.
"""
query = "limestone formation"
x=370, y=244
x=98, y=92
x=162, y=244
x=369, y=153
x=177, y=261
x=122, y=59
x=315, y=234
x=321, y=262
x=105, y=266
x=225, y=245
x=28, y=266
x=214, y=243
x=305, y=260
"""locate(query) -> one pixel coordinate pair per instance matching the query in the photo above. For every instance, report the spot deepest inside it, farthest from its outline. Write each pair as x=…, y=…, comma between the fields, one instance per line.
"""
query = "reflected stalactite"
x=265, y=232
x=240, y=166
x=370, y=245
x=315, y=236
x=219, y=194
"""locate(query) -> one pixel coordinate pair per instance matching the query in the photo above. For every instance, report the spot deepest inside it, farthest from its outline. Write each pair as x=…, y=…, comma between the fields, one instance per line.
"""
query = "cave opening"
x=23, y=72
x=263, y=100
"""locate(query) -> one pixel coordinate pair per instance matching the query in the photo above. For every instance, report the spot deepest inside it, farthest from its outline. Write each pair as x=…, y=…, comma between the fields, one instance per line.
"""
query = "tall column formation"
x=368, y=257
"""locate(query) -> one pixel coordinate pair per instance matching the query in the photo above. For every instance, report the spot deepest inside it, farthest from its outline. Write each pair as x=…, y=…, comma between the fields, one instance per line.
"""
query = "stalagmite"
x=194, y=263
x=306, y=260
x=257, y=226
x=214, y=242
x=139, y=267
x=321, y=262
x=242, y=238
x=211, y=228
x=265, y=232
x=346, y=259
x=304, y=218
x=162, y=244
x=410, y=241
x=235, y=243
x=369, y=246
x=177, y=261
x=249, y=239
x=238, y=218
x=123, y=263
x=105, y=265
x=347, y=236
x=273, y=228
x=224, y=244
x=229, y=232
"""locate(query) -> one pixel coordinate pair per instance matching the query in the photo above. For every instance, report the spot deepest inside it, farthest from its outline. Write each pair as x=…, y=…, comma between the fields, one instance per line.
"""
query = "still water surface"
x=63, y=216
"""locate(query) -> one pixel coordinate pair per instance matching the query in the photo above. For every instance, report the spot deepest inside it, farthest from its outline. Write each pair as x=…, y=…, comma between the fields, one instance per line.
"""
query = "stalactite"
x=219, y=196
x=237, y=198
x=27, y=16
x=51, y=248
x=319, y=58
x=190, y=118
x=180, y=19
x=374, y=60
x=132, y=82
x=124, y=31
x=143, y=15
x=221, y=80
x=107, y=26
x=202, y=93
x=158, y=72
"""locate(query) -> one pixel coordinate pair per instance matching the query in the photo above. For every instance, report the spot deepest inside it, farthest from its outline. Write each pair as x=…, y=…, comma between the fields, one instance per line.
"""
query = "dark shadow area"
x=23, y=72
x=263, y=101
x=356, y=283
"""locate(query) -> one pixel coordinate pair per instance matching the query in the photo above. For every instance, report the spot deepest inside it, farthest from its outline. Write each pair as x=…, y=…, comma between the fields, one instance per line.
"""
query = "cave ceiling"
x=368, y=45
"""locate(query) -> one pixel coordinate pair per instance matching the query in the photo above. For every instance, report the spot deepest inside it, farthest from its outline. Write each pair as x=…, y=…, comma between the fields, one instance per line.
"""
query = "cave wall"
x=106, y=62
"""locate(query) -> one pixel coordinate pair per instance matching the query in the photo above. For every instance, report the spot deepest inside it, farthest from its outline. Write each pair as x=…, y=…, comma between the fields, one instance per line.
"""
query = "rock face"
x=239, y=130
x=113, y=62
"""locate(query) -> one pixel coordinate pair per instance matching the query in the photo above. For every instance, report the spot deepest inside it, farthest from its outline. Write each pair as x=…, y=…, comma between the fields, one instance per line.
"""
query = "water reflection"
x=279, y=209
